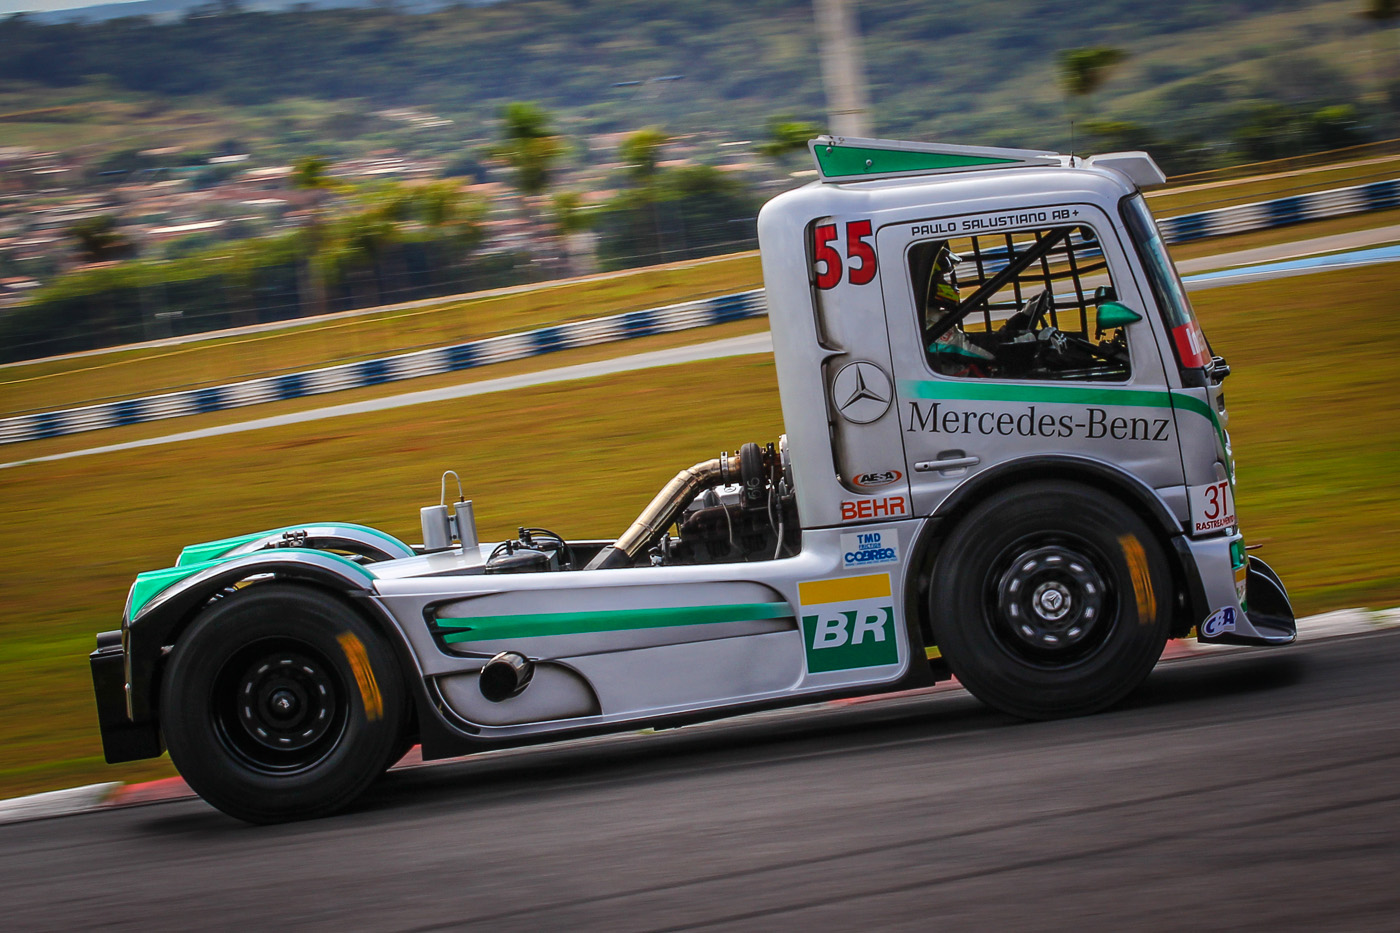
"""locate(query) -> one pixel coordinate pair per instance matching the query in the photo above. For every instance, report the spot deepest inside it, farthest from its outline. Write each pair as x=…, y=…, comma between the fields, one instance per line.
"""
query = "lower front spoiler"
x=1268, y=616
x=122, y=739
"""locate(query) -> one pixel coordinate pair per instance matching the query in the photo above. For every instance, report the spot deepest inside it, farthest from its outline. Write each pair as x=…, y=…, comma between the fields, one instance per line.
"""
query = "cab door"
x=1040, y=347
x=870, y=482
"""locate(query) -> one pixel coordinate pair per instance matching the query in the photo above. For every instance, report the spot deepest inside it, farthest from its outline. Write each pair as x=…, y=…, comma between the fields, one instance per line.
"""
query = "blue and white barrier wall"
x=436, y=361
x=1281, y=212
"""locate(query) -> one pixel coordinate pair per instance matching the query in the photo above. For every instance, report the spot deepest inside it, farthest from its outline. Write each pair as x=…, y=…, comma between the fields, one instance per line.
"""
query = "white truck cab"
x=1005, y=458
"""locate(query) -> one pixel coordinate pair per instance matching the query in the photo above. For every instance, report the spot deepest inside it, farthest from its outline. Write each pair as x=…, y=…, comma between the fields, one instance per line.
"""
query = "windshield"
x=1191, y=348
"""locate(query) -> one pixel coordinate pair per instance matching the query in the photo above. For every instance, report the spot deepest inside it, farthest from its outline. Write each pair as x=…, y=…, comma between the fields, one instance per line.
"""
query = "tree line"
x=370, y=245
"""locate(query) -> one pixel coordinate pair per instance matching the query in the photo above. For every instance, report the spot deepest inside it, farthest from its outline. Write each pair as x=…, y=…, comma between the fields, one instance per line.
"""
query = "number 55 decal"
x=828, y=259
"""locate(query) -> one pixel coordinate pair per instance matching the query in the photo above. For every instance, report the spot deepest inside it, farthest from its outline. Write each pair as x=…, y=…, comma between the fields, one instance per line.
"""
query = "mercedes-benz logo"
x=862, y=392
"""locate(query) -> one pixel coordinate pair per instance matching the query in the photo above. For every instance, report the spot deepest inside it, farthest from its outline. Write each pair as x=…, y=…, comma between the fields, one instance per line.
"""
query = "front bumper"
x=122, y=739
x=1263, y=617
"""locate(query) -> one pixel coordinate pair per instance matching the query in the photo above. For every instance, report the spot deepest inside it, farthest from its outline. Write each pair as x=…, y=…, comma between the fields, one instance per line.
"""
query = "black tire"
x=1051, y=599
x=281, y=702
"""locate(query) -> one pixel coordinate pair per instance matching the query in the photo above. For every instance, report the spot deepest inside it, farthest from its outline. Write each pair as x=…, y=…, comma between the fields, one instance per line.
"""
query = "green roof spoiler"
x=845, y=158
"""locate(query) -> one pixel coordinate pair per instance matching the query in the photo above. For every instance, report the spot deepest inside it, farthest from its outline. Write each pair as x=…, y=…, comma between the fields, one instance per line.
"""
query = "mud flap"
x=1269, y=617
x=122, y=739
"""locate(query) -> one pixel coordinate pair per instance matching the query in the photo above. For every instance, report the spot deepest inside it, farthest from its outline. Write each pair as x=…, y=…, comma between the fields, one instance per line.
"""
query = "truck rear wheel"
x=1051, y=599
x=281, y=703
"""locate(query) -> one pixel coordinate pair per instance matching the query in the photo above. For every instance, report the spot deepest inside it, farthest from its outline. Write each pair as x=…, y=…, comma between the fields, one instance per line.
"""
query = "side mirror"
x=1105, y=293
x=1112, y=314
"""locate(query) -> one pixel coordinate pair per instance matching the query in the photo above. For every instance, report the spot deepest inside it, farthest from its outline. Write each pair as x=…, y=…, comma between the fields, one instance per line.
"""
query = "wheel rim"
x=279, y=706
x=1048, y=603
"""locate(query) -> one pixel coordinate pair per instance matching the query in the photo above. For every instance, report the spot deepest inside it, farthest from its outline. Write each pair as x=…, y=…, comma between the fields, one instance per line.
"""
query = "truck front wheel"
x=1051, y=599
x=280, y=703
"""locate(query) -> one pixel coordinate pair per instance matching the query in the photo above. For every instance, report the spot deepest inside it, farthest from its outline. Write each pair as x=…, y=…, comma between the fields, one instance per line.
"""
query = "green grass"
x=1315, y=427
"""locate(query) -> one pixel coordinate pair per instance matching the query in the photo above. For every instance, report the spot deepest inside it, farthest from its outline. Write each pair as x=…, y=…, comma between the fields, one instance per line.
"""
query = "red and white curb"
x=113, y=794
x=56, y=803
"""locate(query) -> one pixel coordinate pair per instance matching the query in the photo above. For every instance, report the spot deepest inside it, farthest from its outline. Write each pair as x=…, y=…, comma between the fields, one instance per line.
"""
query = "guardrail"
x=1281, y=212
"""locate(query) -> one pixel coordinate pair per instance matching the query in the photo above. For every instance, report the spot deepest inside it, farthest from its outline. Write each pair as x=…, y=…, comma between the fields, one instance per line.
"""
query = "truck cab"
x=975, y=319
x=1005, y=459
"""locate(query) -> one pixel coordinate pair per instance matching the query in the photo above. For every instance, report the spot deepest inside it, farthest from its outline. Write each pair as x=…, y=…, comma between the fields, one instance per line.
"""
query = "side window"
x=1020, y=305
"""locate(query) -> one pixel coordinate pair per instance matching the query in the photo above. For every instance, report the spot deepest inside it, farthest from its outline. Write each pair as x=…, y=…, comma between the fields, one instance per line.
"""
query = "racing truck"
x=1005, y=460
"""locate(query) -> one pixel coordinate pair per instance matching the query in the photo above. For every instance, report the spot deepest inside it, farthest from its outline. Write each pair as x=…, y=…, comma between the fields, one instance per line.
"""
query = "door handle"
x=952, y=463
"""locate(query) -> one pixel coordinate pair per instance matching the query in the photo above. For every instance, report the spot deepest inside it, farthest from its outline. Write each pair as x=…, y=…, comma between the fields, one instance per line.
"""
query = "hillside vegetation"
x=201, y=175
x=1204, y=80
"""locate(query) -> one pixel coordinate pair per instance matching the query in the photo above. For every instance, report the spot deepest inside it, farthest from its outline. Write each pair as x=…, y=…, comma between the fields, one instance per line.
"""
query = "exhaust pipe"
x=505, y=676
x=659, y=515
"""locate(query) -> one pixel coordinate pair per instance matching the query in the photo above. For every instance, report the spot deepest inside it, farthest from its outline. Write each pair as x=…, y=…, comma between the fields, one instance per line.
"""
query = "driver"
x=953, y=353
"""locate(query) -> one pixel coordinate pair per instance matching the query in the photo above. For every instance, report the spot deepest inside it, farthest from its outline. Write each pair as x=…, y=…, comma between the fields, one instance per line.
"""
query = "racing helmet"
x=943, y=292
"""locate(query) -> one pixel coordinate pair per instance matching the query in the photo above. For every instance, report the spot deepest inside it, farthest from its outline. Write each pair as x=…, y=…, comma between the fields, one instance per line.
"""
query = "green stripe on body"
x=483, y=628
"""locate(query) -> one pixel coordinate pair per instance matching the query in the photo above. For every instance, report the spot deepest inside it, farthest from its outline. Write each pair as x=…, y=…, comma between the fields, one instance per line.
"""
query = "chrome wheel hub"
x=1050, y=601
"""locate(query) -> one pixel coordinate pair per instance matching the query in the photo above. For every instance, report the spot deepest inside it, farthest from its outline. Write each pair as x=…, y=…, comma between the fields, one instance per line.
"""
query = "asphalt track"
x=1248, y=789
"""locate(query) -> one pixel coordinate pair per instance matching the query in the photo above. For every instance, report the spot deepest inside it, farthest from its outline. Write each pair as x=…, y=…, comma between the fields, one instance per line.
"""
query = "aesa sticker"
x=869, y=548
x=877, y=479
x=848, y=623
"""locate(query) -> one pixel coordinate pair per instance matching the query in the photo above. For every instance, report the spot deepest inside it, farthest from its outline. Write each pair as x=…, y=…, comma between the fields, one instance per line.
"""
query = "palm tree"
x=640, y=152
x=370, y=241
x=531, y=149
x=529, y=146
x=99, y=239
x=310, y=174
x=453, y=217
x=786, y=136
x=570, y=216
x=1082, y=72
x=574, y=221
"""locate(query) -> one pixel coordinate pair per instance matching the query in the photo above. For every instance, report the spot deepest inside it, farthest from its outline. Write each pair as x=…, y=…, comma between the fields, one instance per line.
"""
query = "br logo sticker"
x=848, y=623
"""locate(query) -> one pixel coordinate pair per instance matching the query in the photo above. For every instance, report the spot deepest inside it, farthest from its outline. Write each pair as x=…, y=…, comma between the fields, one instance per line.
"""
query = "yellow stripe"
x=1142, y=579
x=843, y=589
x=933, y=653
x=364, y=675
